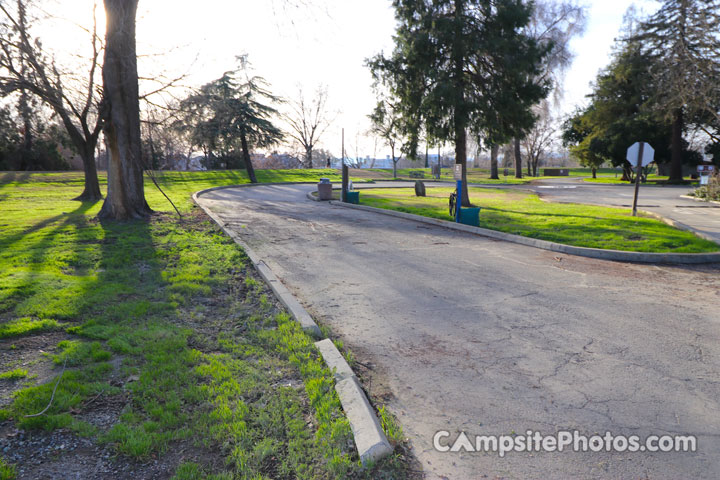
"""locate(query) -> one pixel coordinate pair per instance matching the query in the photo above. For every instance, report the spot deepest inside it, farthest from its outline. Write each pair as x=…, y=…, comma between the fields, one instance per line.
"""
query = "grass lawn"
x=651, y=180
x=525, y=214
x=155, y=345
x=482, y=175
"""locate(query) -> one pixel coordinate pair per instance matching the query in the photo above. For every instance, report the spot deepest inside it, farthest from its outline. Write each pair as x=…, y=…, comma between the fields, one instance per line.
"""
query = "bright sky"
x=308, y=42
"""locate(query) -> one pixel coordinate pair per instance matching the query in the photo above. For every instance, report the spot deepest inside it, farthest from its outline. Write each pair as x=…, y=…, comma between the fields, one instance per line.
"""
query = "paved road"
x=467, y=333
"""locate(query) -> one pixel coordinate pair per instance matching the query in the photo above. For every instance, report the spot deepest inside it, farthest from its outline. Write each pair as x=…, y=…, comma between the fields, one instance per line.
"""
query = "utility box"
x=324, y=189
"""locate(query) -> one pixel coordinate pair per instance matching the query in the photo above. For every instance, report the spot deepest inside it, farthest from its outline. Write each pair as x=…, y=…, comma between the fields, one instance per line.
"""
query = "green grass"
x=572, y=224
x=15, y=374
x=7, y=471
x=482, y=175
x=25, y=326
x=171, y=313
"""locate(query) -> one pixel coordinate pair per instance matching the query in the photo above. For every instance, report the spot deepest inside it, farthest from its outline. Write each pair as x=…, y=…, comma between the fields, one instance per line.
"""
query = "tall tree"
x=618, y=115
x=553, y=25
x=26, y=68
x=125, y=194
x=230, y=116
x=682, y=40
x=308, y=120
x=385, y=123
x=448, y=67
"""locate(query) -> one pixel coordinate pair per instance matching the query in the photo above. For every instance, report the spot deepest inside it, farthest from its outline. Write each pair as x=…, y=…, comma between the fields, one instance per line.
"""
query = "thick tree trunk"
x=92, y=186
x=676, y=147
x=518, y=158
x=125, y=195
x=494, y=162
x=308, y=158
x=246, y=158
x=594, y=172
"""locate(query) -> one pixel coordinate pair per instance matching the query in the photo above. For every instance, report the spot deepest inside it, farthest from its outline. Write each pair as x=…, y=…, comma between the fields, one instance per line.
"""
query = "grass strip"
x=525, y=214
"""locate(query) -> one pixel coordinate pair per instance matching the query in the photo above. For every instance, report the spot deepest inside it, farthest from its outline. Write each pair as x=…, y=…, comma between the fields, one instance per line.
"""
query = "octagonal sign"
x=647, y=157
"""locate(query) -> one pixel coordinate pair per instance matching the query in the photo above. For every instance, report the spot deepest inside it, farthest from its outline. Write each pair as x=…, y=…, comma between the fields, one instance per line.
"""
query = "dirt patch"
x=61, y=454
x=28, y=353
x=361, y=173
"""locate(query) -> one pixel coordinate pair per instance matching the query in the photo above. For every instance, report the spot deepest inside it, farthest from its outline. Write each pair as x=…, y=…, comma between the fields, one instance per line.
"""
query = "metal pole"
x=458, y=201
x=344, y=170
x=638, y=166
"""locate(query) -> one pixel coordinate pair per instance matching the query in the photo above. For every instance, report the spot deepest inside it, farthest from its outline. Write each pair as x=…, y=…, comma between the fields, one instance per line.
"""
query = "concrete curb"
x=616, y=255
x=699, y=199
x=370, y=440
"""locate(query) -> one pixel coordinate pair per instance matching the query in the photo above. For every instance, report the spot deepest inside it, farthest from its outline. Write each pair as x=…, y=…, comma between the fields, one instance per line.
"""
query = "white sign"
x=458, y=171
x=648, y=154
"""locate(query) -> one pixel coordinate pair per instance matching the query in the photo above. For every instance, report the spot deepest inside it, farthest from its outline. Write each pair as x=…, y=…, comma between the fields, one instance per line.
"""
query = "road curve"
x=464, y=333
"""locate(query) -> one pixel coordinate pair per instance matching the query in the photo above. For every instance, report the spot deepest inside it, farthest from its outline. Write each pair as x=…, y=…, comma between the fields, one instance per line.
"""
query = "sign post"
x=343, y=196
x=640, y=154
x=458, y=199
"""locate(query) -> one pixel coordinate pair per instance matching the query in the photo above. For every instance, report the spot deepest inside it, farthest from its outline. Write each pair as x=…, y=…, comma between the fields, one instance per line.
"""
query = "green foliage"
x=7, y=471
x=15, y=374
x=227, y=116
x=26, y=326
x=572, y=224
x=618, y=115
x=458, y=64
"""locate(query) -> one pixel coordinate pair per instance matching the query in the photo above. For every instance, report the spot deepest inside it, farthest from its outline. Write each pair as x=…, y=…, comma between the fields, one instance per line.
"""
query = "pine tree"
x=455, y=63
x=682, y=40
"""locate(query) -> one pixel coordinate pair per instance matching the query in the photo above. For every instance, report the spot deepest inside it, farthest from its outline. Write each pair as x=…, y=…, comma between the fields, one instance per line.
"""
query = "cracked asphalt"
x=465, y=333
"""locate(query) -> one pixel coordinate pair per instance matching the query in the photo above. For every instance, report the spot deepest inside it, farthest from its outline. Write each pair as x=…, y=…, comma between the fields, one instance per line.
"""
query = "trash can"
x=353, y=197
x=324, y=188
x=470, y=216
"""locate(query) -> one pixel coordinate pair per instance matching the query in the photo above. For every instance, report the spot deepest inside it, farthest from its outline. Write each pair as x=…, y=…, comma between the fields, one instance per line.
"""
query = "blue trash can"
x=353, y=197
x=470, y=216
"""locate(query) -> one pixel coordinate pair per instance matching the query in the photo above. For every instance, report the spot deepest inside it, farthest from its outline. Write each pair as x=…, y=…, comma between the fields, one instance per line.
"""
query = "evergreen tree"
x=228, y=116
x=681, y=39
x=455, y=64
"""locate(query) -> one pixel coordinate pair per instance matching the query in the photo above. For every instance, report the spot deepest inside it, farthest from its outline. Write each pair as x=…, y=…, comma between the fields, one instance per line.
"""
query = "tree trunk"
x=392, y=151
x=92, y=186
x=461, y=159
x=125, y=195
x=308, y=157
x=246, y=158
x=427, y=156
x=518, y=158
x=494, y=162
x=676, y=147
x=530, y=165
x=594, y=172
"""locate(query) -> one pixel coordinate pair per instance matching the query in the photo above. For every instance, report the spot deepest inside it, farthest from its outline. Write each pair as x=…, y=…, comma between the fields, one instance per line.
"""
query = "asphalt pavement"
x=457, y=332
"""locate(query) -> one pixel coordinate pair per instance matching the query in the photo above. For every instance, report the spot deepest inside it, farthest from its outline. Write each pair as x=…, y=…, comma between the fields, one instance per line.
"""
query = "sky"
x=297, y=44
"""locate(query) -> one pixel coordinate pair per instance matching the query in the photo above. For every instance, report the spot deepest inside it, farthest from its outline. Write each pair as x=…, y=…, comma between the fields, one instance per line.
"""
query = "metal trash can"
x=324, y=188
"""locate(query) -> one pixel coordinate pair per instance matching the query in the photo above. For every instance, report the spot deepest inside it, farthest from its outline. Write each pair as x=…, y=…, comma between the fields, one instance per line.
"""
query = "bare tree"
x=308, y=120
x=26, y=68
x=553, y=24
x=385, y=123
x=539, y=139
